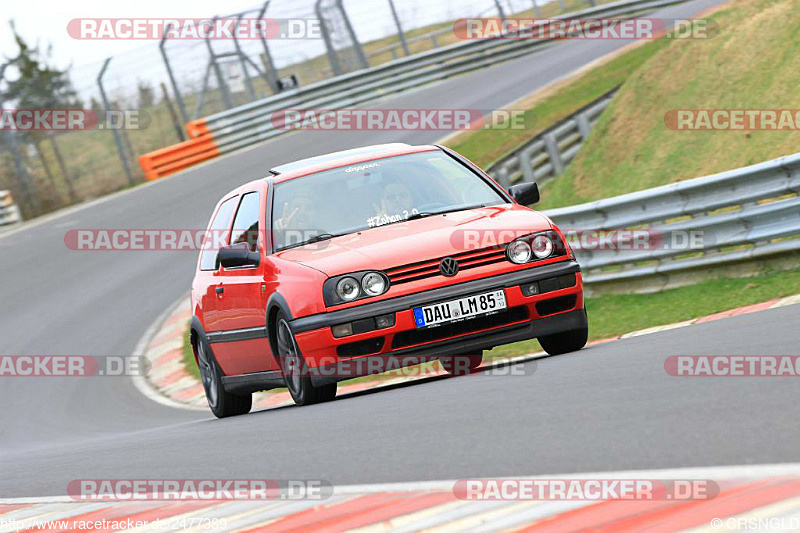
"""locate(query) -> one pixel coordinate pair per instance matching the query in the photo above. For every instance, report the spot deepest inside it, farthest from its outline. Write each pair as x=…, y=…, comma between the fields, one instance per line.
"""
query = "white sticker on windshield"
x=359, y=168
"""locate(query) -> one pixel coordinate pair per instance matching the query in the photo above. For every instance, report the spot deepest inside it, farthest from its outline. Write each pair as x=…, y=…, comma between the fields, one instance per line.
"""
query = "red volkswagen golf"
x=361, y=261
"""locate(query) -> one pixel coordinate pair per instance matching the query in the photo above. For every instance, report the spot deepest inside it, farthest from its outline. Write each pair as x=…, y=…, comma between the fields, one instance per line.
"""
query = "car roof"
x=344, y=158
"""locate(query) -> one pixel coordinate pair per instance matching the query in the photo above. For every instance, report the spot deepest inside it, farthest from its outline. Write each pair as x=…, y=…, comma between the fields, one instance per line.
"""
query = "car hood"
x=418, y=240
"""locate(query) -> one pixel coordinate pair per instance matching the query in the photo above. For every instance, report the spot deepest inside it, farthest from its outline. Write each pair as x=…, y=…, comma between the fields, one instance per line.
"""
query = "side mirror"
x=525, y=193
x=237, y=255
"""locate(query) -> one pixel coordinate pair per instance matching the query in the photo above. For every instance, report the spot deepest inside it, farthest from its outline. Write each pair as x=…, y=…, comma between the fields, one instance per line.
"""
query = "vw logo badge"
x=448, y=267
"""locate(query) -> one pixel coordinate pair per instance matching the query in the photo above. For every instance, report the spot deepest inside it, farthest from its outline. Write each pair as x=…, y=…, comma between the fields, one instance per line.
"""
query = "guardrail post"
x=117, y=140
x=555, y=156
x=583, y=125
x=526, y=166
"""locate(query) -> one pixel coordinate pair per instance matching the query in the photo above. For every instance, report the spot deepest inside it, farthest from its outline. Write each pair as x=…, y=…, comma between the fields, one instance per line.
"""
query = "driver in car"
x=395, y=201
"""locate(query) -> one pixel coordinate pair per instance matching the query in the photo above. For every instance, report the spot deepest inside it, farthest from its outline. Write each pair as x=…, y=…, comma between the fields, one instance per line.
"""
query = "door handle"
x=219, y=290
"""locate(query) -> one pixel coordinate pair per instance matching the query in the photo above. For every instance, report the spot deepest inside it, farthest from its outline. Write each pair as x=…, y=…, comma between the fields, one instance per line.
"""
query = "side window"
x=208, y=257
x=245, y=225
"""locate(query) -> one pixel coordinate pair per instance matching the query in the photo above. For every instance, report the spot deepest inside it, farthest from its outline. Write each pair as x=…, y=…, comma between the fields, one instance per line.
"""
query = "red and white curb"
x=170, y=382
x=749, y=496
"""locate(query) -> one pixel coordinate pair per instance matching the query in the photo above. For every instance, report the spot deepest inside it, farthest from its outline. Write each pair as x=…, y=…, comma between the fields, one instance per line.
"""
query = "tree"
x=40, y=85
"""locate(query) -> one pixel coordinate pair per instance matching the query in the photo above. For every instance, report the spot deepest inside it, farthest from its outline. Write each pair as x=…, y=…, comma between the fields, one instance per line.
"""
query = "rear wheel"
x=222, y=403
x=568, y=341
x=461, y=365
x=295, y=370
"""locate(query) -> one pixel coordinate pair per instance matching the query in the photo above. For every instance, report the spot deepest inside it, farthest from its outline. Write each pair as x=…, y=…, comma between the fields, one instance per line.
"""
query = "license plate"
x=470, y=306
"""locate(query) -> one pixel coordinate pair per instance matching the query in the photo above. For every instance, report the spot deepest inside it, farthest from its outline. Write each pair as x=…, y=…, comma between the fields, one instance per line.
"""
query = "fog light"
x=342, y=330
x=385, y=321
x=530, y=289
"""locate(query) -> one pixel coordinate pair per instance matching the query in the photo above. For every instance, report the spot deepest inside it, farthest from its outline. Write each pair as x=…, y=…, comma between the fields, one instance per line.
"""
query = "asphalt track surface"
x=609, y=407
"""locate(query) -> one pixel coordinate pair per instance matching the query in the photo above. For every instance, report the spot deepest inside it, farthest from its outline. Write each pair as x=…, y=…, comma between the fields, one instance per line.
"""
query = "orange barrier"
x=197, y=128
x=171, y=159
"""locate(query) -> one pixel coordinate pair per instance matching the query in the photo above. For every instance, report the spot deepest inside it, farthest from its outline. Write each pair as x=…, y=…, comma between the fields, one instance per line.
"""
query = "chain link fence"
x=145, y=96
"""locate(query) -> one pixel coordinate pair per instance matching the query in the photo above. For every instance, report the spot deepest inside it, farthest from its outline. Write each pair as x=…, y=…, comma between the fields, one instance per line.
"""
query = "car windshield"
x=375, y=193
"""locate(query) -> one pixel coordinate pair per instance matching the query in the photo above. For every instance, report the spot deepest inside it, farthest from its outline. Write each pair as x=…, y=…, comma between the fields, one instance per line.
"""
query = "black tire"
x=223, y=404
x=568, y=341
x=461, y=365
x=295, y=370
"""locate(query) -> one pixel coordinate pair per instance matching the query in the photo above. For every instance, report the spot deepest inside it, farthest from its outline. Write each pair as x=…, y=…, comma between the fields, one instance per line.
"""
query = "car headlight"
x=373, y=284
x=354, y=286
x=542, y=246
x=347, y=289
x=519, y=252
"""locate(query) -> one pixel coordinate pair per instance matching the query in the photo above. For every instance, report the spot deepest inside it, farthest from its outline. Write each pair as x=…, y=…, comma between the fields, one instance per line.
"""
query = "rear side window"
x=208, y=257
x=245, y=225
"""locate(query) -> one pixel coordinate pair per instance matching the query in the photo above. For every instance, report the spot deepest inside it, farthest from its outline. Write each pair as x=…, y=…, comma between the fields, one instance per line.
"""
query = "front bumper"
x=321, y=349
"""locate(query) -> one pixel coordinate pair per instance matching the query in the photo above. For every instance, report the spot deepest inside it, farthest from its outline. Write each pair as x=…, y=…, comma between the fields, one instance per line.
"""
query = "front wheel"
x=295, y=370
x=222, y=403
x=568, y=341
x=461, y=365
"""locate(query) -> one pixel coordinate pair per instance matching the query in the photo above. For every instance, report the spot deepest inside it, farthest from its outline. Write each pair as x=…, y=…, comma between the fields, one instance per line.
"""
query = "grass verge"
x=752, y=63
x=554, y=103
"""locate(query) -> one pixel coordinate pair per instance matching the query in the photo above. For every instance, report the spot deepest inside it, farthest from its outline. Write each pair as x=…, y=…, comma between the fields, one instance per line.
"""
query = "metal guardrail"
x=743, y=215
x=546, y=155
x=252, y=123
x=9, y=211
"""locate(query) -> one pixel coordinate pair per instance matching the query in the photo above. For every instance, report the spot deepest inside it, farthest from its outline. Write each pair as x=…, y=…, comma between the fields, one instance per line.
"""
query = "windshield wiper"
x=453, y=210
x=315, y=238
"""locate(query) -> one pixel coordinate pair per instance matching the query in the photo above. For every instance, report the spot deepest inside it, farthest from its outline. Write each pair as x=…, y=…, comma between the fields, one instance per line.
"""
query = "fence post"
x=223, y=86
x=117, y=139
x=400, y=33
x=270, y=72
x=248, y=83
x=362, y=58
x=175, y=123
x=336, y=67
x=175, y=90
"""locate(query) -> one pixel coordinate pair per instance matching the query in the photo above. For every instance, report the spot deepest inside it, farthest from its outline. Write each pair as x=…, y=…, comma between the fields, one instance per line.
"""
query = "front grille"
x=430, y=268
x=419, y=336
